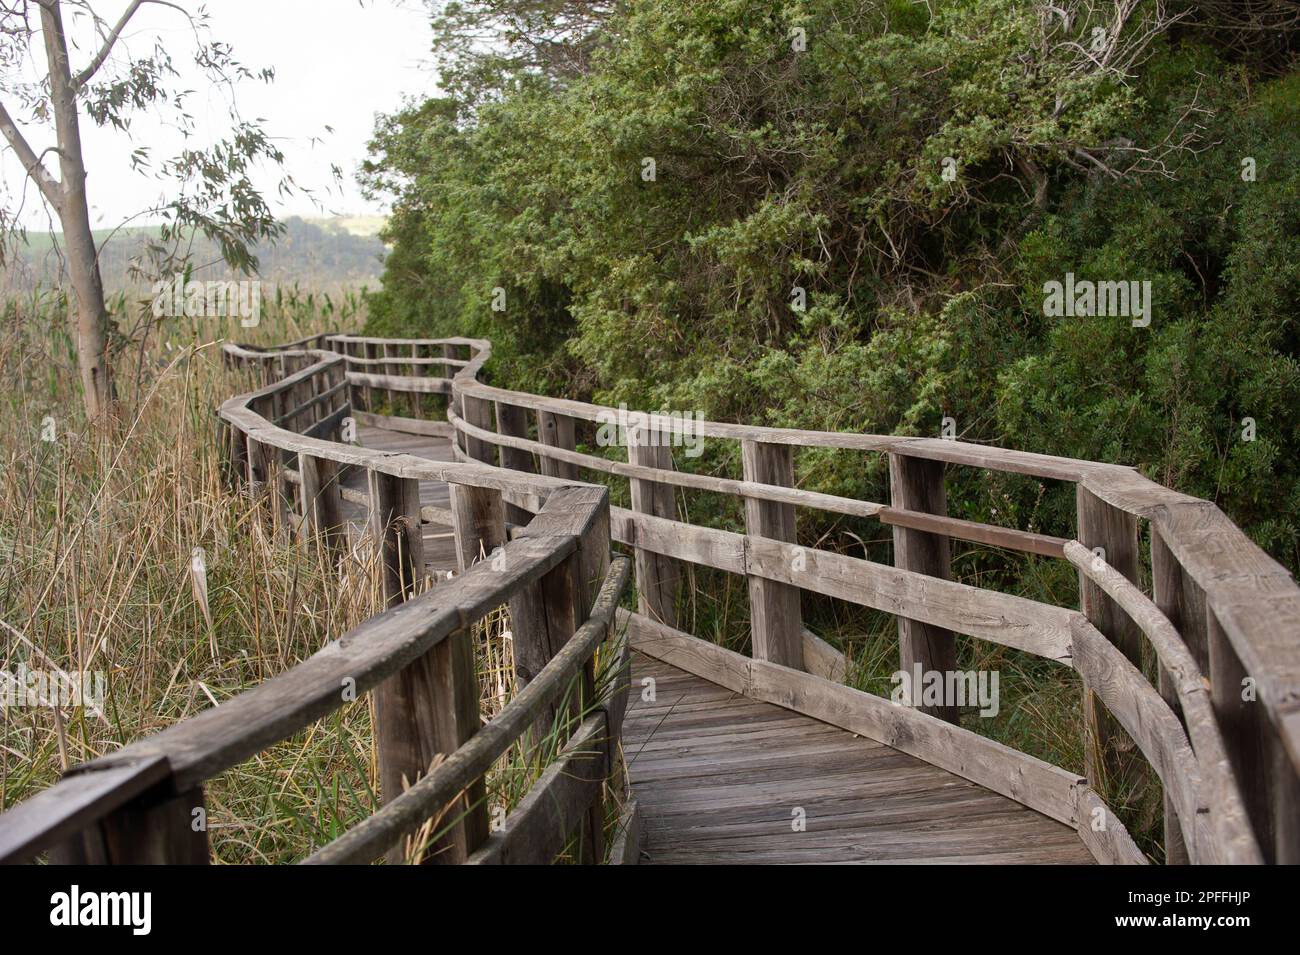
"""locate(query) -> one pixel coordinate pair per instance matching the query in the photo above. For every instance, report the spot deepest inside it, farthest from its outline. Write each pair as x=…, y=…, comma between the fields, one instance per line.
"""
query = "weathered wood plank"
x=1039, y=785
x=626, y=847
x=79, y=801
x=658, y=577
x=1104, y=834
x=557, y=431
x=1113, y=534
x=755, y=795
x=1184, y=690
x=537, y=829
x=377, y=833
x=399, y=383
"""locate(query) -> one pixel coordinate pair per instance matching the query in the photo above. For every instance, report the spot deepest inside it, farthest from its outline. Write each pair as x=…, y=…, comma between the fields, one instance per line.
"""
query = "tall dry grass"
x=98, y=572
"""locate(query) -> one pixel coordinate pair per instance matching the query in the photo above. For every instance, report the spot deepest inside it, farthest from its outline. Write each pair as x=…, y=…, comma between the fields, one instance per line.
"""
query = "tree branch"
x=84, y=76
x=49, y=186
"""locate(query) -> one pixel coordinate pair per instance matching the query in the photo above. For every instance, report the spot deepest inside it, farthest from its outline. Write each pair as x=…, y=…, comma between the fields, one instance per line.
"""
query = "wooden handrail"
x=1251, y=604
x=1233, y=576
x=1233, y=834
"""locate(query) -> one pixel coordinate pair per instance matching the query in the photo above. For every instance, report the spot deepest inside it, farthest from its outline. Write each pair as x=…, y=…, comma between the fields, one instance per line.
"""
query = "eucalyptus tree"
x=62, y=62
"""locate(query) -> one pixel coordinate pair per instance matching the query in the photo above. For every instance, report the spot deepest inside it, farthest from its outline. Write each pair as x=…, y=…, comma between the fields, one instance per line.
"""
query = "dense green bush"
x=824, y=169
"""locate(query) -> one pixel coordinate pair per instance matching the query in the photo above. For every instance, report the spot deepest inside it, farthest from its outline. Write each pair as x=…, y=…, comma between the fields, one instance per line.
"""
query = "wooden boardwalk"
x=719, y=776
x=764, y=757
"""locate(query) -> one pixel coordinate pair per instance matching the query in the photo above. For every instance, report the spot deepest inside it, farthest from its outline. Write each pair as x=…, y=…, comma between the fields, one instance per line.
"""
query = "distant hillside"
x=313, y=253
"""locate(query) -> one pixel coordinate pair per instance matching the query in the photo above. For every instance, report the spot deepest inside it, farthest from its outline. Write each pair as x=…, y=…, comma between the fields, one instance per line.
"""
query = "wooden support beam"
x=513, y=422
x=157, y=828
x=1269, y=785
x=370, y=351
x=1110, y=755
x=236, y=458
x=414, y=369
x=266, y=484
x=1183, y=602
x=453, y=398
x=171, y=831
x=395, y=528
x=478, y=516
x=658, y=578
x=431, y=707
x=557, y=431
x=546, y=615
x=478, y=412
x=775, y=619
x=322, y=509
x=916, y=484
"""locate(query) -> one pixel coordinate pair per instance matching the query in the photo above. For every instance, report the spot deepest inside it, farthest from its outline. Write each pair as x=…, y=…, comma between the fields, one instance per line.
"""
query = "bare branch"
x=82, y=78
x=32, y=165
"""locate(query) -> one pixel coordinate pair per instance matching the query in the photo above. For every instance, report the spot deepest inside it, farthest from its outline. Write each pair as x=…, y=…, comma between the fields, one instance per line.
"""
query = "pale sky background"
x=337, y=64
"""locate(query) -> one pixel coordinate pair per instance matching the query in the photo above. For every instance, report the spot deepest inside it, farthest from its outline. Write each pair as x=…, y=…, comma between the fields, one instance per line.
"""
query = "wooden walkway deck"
x=719, y=777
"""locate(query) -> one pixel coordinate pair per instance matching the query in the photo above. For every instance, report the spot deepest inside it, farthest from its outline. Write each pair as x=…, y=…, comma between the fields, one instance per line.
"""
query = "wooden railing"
x=144, y=803
x=1221, y=729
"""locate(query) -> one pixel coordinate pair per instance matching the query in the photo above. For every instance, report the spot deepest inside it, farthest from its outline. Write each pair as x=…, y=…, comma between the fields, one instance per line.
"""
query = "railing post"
x=369, y=351
x=395, y=526
x=169, y=831
x=1270, y=786
x=449, y=372
x=512, y=421
x=478, y=412
x=257, y=466
x=916, y=484
x=265, y=483
x=344, y=399
x=1108, y=751
x=478, y=517
x=658, y=578
x=345, y=349
x=430, y=707
x=557, y=431
x=775, y=620
x=479, y=522
x=158, y=827
x=414, y=399
x=235, y=456
x=322, y=510
x=545, y=616
x=1183, y=602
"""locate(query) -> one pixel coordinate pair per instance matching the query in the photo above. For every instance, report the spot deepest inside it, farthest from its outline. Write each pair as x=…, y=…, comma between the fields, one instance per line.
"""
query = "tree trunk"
x=89, y=323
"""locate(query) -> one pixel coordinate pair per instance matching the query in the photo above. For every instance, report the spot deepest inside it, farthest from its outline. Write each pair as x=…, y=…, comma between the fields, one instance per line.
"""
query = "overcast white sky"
x=337, y=63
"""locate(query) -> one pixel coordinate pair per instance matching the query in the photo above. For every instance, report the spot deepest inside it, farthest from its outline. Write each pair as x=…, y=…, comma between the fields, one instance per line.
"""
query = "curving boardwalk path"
x=719, y=776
